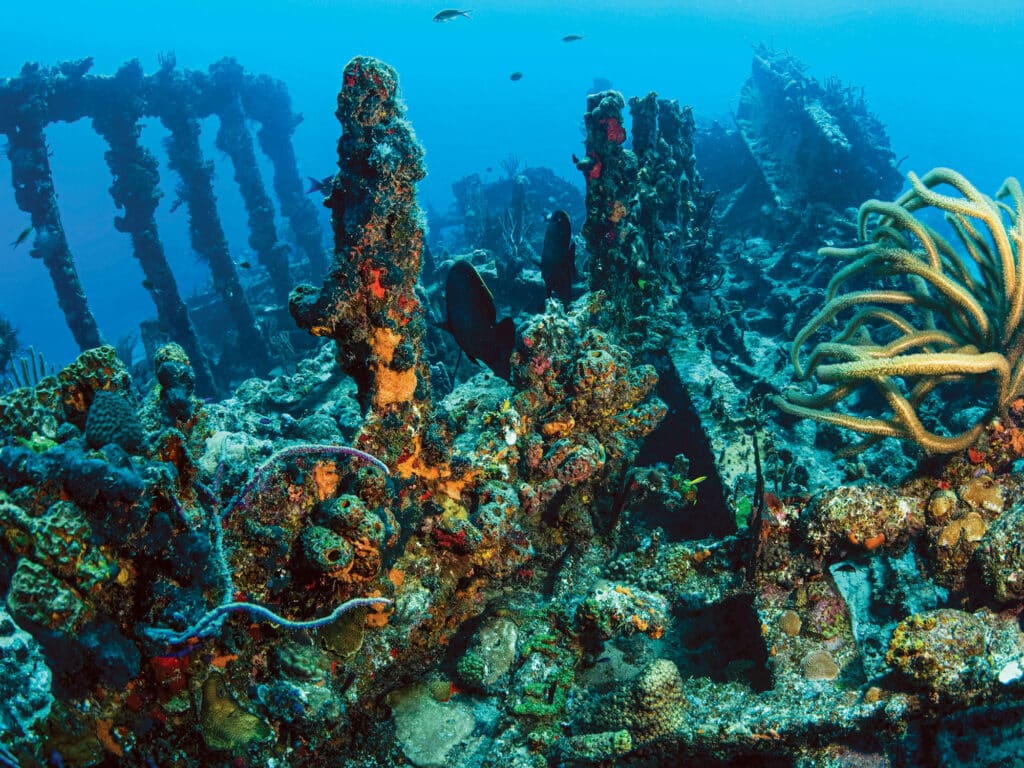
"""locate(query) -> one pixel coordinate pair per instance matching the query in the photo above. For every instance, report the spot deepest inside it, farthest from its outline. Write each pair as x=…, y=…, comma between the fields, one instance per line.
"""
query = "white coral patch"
x=1010, y=673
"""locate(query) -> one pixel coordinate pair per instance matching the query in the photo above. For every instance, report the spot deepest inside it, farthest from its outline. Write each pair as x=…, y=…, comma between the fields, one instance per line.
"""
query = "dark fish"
x=515, y=76
x=176, y=204
x=448, y=14
x=571, y=38
x=22, y=236
x=323, y=186
x=245, y=265
x=558, y=259
x=471, y=320
x=147, y=284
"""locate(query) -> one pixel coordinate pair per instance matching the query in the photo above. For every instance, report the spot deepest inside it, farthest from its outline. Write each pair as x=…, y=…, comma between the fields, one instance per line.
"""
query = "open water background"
x=944, y=77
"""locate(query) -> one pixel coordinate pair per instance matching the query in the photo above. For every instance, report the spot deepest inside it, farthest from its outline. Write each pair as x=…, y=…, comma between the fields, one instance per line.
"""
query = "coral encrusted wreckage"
x=617, y=556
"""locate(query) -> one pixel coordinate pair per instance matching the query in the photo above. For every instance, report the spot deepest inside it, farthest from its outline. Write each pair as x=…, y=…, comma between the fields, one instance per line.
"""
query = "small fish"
x=176, y=204
x=245, y=265
x=22, y=236
x=515, y=76
x=148, y=285
x=323, y=186
x=472, y=320
x=558, y=257
x=571, y=38
x=449, y=14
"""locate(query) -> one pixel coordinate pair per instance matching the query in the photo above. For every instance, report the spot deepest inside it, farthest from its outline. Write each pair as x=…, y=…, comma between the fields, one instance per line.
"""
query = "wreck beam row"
x=234, y=140
x=136, y=192
x=173, y=105
x=266, y=101
x=39, y=96
x=26, y=105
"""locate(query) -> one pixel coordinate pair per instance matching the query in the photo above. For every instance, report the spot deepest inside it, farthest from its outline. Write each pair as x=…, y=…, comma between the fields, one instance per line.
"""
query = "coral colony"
x=300, y=533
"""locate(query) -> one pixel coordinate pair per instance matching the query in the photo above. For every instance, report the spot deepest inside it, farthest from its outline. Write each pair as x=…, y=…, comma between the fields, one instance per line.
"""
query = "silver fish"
x=449, y=14
x=22, y=236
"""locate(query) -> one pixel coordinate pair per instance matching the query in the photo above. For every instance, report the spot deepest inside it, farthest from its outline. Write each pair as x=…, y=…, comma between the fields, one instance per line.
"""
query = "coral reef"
x=610, y=557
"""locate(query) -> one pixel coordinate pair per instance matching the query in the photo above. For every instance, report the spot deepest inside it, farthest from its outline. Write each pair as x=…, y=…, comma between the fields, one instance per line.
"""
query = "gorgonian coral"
x=925, y=314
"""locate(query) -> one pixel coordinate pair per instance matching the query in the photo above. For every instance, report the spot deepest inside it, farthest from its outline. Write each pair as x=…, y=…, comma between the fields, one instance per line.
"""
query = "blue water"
x=942, y=76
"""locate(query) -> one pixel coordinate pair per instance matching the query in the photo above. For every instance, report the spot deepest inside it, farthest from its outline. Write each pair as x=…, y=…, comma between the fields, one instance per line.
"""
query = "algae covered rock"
x=299, y=689
x=223, y=722
x=37, y=598
x=595, y=747
x=487, y=661
x=943, y=651
x=1000, y=554
x=429, y=732
x=540, y=686
x=618, y=610
x=24, y=679
x=859, y=518
x=177, y=382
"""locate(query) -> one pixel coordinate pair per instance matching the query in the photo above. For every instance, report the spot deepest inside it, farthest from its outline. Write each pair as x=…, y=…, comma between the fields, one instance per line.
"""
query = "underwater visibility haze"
x=520, y=384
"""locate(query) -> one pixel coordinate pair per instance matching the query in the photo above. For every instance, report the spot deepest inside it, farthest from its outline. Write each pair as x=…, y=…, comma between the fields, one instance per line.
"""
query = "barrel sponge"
x=112, y=419
x=325, y=550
